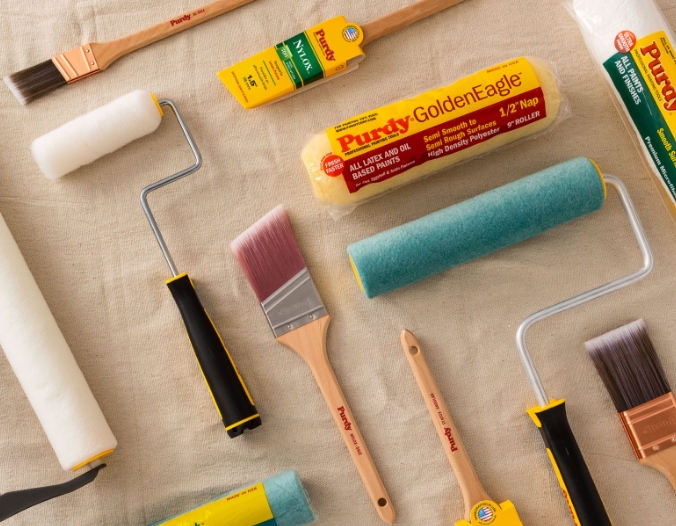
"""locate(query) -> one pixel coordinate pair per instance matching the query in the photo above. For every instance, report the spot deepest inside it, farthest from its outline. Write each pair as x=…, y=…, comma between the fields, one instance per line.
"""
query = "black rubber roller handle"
x=579, y=490
x=230, y=395
x=14, y=502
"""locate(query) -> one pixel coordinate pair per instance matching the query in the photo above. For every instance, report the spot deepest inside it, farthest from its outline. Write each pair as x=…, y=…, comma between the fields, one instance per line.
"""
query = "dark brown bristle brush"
x=86, y=60
x=629, y=367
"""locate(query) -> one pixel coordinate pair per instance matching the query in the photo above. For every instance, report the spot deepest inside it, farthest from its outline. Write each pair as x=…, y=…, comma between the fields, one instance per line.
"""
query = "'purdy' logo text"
x=328, y=52
x=184, y=18
x=391, y=127
x=655, y=427
x=346, y=422
x=661, y=77
x=449, y=435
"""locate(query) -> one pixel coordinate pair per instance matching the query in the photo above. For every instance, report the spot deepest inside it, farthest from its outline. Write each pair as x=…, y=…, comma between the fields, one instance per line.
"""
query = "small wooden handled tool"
x=322, y=52
x=88, y=59
x=309, y=341
x=480, y=509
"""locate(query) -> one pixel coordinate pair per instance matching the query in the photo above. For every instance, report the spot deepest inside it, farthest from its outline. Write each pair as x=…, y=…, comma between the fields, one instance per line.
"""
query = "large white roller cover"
x=602, y=20
x=44, y=364
x=97, y=133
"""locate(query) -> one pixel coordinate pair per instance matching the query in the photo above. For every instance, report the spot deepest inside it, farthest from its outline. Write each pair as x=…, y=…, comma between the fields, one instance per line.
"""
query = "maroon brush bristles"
x=629, y=366
x=268, y=253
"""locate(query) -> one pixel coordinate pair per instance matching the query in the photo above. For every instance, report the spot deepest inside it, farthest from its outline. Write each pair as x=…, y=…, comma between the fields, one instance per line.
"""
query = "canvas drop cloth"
x=90, y=248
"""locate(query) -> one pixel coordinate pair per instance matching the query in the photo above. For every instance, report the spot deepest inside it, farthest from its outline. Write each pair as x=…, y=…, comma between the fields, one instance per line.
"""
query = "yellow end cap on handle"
x=488, y=512
x=157, y=103
x=95, y=457
x=533, y=411
x=603, y=181
x=232, y=426
x=174, y=278
x=356, y=273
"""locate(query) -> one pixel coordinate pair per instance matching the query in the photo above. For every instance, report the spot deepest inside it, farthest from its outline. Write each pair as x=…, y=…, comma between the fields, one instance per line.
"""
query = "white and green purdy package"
x=634, y=46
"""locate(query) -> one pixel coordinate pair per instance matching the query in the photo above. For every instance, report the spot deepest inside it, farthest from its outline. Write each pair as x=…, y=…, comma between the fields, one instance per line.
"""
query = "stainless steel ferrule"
x=293, y=305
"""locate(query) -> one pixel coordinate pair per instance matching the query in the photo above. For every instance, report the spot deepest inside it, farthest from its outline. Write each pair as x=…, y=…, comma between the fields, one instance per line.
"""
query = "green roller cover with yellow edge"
x=476, y=227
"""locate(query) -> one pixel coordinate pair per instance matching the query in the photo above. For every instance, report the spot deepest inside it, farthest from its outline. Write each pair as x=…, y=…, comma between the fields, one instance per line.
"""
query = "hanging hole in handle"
x=413, y=350
x=382, y=502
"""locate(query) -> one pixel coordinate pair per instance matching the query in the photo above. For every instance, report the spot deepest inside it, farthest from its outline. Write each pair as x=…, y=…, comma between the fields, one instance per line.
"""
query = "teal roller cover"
x=478, y=226
x=285, y=496
x=288, y=501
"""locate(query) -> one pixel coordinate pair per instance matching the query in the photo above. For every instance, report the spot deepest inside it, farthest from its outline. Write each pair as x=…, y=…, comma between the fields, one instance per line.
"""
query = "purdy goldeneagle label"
x=323, y=50
x=386, y=142
x=644, y=74
x=248, y=507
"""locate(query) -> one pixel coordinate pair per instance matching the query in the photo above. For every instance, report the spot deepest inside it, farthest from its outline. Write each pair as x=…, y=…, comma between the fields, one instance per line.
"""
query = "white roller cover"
x=44, y=364
x=602, y=20
x=97, y=133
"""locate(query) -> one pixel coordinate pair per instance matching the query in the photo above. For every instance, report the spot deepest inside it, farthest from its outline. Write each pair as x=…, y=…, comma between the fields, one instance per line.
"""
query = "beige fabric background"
x=92, y=252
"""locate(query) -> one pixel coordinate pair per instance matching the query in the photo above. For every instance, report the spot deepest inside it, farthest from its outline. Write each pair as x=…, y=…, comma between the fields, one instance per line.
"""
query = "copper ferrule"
x=651, y=427
x=77, y=63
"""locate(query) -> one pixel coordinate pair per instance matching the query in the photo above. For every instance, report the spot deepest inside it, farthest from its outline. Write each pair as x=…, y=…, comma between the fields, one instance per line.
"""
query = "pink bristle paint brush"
x=273, y=264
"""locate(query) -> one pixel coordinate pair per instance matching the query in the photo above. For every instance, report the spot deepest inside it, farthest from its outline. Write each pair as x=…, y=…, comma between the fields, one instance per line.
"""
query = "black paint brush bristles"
x=629, y=366
x=34, y=82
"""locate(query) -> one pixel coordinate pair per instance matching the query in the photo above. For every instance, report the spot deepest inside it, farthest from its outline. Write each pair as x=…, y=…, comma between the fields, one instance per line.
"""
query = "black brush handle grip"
x=230, y=395
x=579, y=490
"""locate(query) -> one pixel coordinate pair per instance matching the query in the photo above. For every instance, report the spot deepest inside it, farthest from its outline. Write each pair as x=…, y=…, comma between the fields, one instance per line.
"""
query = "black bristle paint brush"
x=631, y=371
x=273, y=264
x=83, y=61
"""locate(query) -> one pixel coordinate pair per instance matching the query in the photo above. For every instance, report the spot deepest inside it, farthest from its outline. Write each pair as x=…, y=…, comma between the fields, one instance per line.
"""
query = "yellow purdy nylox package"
x=327, y=49
x=383, y=149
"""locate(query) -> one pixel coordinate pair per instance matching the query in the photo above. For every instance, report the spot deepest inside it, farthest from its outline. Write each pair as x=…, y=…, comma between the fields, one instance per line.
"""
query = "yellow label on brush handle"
x=488, y=512
x=248, y=507
x=323, y=50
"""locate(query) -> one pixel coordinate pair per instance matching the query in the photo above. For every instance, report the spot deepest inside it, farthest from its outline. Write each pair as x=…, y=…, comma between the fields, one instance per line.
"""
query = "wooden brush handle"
x=107, y=52
x=310, y=342
x=664, y=462
x=403, y=17
x=472, y=490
